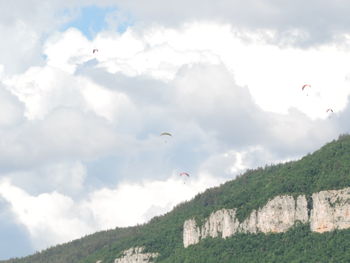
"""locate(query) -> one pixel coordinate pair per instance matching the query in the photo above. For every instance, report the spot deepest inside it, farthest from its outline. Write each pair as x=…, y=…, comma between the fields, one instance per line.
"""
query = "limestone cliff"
x=281, y=213
x=331, y=210
x=136, y=255
x=191, y=233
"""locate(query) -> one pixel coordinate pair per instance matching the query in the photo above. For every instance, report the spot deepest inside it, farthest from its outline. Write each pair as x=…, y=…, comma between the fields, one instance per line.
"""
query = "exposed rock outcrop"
x=249, y=224
x=280, y=214
x=220, y=223
x=136, y=255
x=191, y=233
x=331, y=210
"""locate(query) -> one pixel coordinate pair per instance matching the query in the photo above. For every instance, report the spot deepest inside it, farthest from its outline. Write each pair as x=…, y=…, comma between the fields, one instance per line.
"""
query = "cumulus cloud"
x=232, y=163
x=24, y=32
x=49, y=218
x=66, y=177
x=53, y=218
x=142, y=102
x=200, y=94
x=65, y=134
x=45, y=89
x=157, y=52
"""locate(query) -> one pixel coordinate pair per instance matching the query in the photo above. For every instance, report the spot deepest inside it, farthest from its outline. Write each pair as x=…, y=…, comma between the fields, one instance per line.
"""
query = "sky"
x=80, y=140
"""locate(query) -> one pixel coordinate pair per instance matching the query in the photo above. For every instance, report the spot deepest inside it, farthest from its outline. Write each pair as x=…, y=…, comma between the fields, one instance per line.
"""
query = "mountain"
x=293, y=212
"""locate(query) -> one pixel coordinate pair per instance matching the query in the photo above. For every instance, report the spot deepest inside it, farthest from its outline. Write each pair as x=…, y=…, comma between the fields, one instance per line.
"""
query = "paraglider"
x=305, y=86
x=185, y=174
x=330, y=112
x=165, y=134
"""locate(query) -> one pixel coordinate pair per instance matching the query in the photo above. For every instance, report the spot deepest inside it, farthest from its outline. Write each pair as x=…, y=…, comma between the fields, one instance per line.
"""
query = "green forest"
x=325, y=169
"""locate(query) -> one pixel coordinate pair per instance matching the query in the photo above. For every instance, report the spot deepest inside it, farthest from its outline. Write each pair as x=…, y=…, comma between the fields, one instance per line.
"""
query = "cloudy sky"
x=79, y=130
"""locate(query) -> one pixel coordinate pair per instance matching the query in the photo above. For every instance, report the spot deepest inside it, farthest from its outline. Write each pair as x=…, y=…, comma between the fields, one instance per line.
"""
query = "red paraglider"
x=185, y=174
x=305, y=86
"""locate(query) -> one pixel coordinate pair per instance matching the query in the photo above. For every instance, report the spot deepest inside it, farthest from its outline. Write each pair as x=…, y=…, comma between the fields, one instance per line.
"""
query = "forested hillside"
x=327, y=168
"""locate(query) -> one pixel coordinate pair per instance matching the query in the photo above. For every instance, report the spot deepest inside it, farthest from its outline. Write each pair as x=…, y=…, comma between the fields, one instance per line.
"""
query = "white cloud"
x=199, y=90
x=64, y=134
x=267, y=70
x=159, y=53
x=20, y=50
x=233, y=163
x=53, y=218
x=26, y=30
x=68, y=49
x=46, y=89
x=66, y=177
x=50, y=218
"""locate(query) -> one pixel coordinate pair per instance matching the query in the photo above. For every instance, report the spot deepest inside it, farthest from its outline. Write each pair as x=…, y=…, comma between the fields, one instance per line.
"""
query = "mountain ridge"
x=326, y=168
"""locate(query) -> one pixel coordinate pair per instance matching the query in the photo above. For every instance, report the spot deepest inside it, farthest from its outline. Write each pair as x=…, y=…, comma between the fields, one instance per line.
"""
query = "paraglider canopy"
x=165, y=133
x=305, y=86
x=94, y=50
x=185, y=174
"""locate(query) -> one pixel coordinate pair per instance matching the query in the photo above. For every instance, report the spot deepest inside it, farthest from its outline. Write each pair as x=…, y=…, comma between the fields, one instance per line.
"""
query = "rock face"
x=250, y=224
x=331, y=210
x=136, y=255
x=192, y=233
x=280, y=214
x=221, y=223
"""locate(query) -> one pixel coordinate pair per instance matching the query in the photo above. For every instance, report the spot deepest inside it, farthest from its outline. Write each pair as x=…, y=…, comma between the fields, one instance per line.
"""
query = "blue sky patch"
x=92, y=19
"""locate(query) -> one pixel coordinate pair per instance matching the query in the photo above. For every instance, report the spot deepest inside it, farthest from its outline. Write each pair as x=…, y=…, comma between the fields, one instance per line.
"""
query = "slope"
x=327, y=168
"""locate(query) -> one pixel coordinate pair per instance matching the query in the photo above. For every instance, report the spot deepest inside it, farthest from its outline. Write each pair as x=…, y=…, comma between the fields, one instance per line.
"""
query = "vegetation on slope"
x=327, y=168
x=297, y=245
